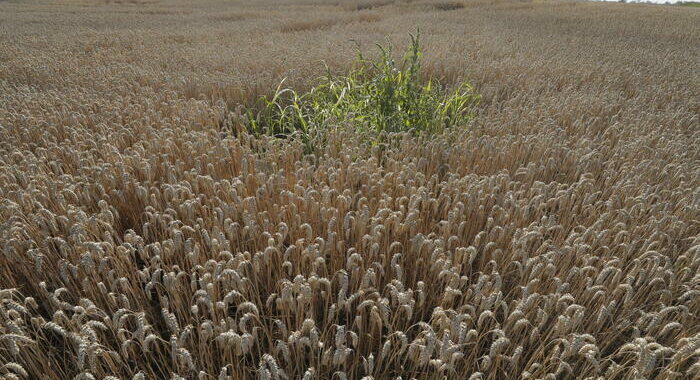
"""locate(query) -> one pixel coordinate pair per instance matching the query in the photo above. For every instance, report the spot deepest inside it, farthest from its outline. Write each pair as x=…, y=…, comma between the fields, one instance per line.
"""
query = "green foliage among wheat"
x=376, y=97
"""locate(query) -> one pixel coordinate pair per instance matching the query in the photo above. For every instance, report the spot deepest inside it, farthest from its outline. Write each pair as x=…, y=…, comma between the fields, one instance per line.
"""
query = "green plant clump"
x=375, y=97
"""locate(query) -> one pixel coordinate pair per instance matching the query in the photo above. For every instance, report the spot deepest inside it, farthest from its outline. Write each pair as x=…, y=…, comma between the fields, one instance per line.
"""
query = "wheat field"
x=555, y=235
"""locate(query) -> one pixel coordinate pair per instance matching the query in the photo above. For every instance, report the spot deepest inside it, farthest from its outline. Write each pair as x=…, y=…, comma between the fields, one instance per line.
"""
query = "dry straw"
x=555, y=238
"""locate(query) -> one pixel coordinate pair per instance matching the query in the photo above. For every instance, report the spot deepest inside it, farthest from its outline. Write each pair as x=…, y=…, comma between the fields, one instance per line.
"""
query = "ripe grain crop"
x=555, y=235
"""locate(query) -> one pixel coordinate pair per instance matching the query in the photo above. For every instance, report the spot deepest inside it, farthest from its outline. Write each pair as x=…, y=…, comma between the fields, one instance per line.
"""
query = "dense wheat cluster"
x=556, y=236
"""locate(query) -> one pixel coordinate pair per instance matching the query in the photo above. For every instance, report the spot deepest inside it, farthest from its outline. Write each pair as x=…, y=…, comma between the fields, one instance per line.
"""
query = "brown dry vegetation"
x=555, y=237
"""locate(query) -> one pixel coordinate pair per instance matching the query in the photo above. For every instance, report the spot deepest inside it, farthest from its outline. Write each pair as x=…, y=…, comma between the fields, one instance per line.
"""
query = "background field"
x=556, y=236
